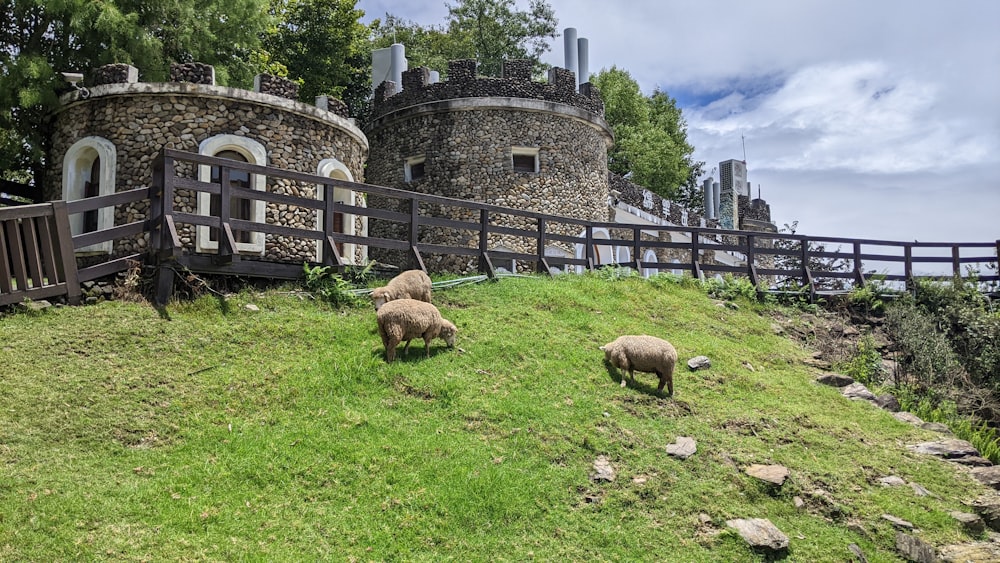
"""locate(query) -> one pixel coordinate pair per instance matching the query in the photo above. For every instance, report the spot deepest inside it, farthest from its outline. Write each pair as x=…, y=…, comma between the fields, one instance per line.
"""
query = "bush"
x=331, y=287
x=865, y=364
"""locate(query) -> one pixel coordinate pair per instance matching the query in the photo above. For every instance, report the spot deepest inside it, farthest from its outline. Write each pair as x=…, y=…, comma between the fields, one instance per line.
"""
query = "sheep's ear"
x=601, y=348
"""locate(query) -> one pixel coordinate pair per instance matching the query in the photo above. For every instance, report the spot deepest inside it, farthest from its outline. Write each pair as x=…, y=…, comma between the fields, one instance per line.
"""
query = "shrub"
x=865, y=364
x=331, y=287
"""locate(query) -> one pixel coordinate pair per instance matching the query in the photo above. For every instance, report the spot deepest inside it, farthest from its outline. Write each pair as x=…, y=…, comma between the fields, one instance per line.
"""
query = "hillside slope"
x=281, y=434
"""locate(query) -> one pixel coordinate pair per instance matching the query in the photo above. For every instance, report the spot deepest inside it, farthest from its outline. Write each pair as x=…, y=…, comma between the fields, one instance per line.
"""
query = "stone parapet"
x=463, y=83
x=116, y=74
x=196, y=73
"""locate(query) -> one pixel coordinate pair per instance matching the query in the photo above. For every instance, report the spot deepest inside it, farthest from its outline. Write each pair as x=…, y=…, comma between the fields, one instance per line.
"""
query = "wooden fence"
x=769, y=260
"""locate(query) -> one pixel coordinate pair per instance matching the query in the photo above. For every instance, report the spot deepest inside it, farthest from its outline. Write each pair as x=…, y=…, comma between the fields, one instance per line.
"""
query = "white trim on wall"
x=255, y=153
x=77, y=164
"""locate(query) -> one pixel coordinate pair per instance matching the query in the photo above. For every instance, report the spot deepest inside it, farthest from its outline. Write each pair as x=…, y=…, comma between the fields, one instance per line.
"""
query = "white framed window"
x=413, y=168
x=88, y=171
x=342, y=222
x=524, y=159
x=236, y=148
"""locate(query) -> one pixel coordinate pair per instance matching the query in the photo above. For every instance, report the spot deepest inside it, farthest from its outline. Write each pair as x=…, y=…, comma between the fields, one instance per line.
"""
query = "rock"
x=835, y=379
x=817, y=363
x=704, y=519
x=891, y=481
x=948, y=448
x=857, y=391
x=887, y=402
x=683, y=448
x=850, y=331
x=251, y=307
x=890, y=367
x=798, y=502
x=853, y=548
x=919, y=490
x=988, y=507
x=775, y=474
x=897, y=522
x=759, y=533
x=972, y=461
x=603, y=470
x=972, y=523
x=907, y=417
x=699, y=362
x=936, y=427
x=915, y=549
x=977, y=552
x=989, y=476
x=39, y=305
x=777, y=329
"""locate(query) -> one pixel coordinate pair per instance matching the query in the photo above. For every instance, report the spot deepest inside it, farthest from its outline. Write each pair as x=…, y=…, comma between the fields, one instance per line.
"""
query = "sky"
x=858, y=118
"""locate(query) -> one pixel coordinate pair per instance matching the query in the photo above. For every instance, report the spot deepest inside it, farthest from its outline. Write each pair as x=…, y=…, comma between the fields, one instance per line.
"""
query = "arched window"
x=342, y=223
x=243, y=149
x=89, y=171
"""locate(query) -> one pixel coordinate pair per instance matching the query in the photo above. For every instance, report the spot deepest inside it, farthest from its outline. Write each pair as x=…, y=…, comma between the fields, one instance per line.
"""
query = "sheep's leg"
x=668, y=380
x=427, y=346
x=406, y=349
x=390, y=349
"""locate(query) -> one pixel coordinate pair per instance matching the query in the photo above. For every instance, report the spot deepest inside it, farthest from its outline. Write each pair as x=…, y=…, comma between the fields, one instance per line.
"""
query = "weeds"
x=331, y=287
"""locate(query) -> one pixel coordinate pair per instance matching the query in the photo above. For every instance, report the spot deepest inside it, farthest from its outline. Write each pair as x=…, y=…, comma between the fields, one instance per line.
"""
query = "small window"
x=413, y=169
x=524, y=159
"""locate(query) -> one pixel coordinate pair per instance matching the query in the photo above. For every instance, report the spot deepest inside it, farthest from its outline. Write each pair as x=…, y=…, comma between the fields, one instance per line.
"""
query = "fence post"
x=485, y=265
x=540, y=265
x=956, y=262
x=415, y=233
x=67, y=254
x=590, y=247
x=807, y=279
x=330, y=255
x=908, y=266
x=695, y=251
x=227, y=240
x=168, y=239
x=859, y=275
x=752, y=263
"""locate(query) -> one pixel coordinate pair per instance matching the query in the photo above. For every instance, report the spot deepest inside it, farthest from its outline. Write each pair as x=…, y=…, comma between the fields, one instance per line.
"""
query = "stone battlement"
x=464, y=83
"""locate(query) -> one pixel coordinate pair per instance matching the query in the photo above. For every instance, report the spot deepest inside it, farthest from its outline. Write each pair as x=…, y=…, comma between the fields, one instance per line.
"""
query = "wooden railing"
x=38, y=252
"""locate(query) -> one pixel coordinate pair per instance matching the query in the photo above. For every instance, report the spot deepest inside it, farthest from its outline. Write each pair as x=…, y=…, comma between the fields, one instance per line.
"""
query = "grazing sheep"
x=406, y=319
x=643, y=353
x=411, y=284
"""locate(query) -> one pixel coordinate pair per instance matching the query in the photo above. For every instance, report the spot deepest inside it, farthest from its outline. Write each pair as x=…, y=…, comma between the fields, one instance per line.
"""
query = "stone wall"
x=140, y=119
x=463, y=83
x=467, y=145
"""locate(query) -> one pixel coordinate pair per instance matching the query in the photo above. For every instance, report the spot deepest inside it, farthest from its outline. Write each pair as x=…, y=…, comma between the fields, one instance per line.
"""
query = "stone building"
x=107, y=137
x=507, y=141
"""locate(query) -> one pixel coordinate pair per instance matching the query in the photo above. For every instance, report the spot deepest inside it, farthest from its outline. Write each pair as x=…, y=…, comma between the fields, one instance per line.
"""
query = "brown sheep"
x=643, y=353
x=411, y=284
x=402, y=320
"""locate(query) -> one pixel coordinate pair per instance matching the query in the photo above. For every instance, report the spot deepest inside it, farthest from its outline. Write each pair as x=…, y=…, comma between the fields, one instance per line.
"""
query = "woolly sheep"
x=405, y=319
x=411, y=284
x=643, y=353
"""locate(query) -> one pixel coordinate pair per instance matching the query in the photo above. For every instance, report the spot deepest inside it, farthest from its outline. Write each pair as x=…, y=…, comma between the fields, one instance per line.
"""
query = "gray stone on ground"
x=887, y=402
x=38, y=305
x=857, y=391
x=915, y=549
x=775, y=474
x=699, y=362
x=972, y=523
x=602, y=470
x=817, y=363
x=911, y=418
x=759, y=533
x=835, y=379
x=976, y=552
x=853, y=548
x=919, y=490
x=936, y=427
x=891, y=481
x=251, y=307
x=948, y=448
x=972, y=461
x=989, y=476
x=988, y=507
x=683, y=448
x=897, y=522
x=798, y=502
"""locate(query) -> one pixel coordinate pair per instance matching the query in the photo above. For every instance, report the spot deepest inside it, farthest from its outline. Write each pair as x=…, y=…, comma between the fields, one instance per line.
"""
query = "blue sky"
x=864, y=119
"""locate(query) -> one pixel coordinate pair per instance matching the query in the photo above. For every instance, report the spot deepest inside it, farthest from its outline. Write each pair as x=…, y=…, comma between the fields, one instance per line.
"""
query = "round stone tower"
x=505, y=141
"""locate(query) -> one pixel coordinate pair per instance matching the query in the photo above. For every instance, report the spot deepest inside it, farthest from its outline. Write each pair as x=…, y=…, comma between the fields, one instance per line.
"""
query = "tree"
x=490, y=31
x=40, y=38
x=324, y=46
x=815, y=263
x=651, y=147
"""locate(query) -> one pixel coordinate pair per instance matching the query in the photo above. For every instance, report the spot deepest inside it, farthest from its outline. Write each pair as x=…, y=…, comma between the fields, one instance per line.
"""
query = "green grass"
x=282, y=435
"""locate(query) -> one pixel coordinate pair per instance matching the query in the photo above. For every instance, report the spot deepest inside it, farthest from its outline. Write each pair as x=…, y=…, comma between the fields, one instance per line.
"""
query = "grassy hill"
x=281, y=434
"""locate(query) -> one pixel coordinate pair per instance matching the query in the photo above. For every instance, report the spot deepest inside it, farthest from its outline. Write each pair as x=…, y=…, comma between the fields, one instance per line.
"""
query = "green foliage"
x=730, y=287
x=490, y=31
x=39, y=39
x=985, y=438
x=331, y=287
x=651, y=147
x=870, y=299
x=324, y=46
x=865, y=364
x=924, y=351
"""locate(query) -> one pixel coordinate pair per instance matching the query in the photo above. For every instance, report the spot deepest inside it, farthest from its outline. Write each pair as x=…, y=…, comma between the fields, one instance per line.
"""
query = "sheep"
x=643, y=353
x=405, y=319
x=411, y=284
